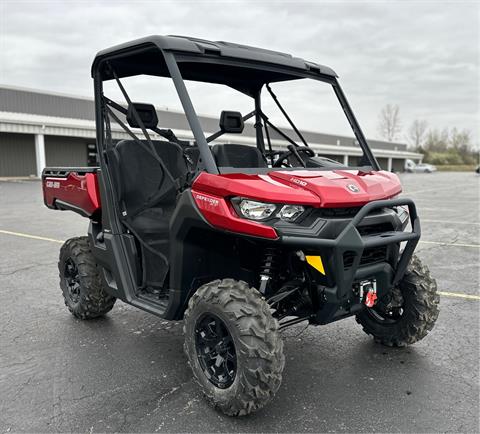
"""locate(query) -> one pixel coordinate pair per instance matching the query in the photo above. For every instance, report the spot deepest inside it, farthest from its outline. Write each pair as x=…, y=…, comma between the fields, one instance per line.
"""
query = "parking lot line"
x=441, y=243
x=459, y=295
x=428, y=190
x=34, y=237
x=445, y=294
x=450, y=222
x=439, y=210
x=53, y=240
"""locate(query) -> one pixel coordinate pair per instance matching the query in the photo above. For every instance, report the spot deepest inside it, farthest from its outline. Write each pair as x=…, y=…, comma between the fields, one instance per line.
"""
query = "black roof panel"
x=227, y=50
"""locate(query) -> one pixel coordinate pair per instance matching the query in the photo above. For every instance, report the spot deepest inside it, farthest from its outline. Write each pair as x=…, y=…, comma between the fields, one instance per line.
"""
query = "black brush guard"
x=350, y=240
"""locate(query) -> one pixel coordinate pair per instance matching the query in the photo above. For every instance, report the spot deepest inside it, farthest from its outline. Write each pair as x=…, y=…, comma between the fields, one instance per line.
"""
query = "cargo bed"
x=72, y=188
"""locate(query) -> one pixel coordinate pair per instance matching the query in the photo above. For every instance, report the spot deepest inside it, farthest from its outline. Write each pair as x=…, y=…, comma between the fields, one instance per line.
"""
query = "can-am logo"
x=298, y=181
x=53, y=184
x=353, y=188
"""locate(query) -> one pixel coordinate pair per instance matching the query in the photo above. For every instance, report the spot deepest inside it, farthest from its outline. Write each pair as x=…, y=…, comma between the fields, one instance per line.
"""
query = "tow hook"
x=368, y=292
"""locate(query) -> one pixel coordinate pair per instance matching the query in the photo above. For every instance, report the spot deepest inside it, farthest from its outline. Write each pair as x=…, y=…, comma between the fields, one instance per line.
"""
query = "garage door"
x=17, y=155
x=398, y=165
x=65, y=151
x=383, y=162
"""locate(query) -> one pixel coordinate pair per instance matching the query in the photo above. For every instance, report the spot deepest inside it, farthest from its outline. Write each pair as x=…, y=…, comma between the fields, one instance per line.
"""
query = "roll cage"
x=245, y=69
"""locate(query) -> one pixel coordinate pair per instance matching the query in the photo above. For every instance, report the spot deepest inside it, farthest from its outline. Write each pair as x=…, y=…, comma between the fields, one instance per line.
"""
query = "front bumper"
x=351, y=243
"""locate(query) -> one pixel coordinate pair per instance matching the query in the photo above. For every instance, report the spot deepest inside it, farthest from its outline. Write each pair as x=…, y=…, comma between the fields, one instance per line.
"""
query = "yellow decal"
x=316, y=262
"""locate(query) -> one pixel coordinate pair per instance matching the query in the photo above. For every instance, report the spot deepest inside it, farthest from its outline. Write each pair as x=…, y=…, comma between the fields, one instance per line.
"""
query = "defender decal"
x=209, y=200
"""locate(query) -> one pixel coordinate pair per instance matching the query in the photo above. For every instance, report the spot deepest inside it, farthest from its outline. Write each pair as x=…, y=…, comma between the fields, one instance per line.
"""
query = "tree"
x=448, y=147
x=437, y=141
x=389, y=122
x=417, y=132
x=460, y=141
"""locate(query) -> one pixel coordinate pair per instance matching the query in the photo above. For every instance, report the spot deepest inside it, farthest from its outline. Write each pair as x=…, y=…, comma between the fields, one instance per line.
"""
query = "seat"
x=144, y=190
x=235, y=155
x=147, y=199
x=153, y=222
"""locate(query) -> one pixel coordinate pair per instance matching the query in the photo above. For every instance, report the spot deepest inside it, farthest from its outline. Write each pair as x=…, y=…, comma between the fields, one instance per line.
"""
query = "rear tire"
x=419, y=311
x=254, y=363
x=81, y=282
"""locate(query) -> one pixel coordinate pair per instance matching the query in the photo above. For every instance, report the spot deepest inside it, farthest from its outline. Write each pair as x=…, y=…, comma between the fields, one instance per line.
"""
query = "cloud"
x=423, y=56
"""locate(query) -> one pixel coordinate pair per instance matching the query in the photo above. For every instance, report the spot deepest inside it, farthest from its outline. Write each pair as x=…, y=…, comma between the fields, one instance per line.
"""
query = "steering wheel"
x=295, y=151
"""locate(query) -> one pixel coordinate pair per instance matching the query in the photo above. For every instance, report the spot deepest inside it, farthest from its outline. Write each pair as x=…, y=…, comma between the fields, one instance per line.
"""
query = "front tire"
x=413, y=317
x=81, y=282
x=228, y=324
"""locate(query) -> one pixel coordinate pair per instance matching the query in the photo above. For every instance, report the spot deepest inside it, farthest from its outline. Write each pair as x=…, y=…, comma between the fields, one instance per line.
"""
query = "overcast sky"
x=423, y=56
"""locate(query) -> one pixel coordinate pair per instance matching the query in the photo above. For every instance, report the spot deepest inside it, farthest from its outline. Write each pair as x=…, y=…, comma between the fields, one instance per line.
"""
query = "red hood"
x=315, y=188
x=343, y=187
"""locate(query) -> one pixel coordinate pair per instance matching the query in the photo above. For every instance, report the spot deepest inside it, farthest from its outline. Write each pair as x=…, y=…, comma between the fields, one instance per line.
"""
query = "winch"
x=367, y=292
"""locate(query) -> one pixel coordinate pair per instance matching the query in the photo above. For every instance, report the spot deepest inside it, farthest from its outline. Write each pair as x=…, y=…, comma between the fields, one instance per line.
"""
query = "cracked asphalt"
x=127, y=372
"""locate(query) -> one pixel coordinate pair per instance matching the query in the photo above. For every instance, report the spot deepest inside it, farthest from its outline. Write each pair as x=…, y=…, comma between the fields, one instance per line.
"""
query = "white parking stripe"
x=459, y=295
x=450, y=222
x=428, y=190
x=475, y=246
x=438, y=210
x=33, y=237
x=444, y=293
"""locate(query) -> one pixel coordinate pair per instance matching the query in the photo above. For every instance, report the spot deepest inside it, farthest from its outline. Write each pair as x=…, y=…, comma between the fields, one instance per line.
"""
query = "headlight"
x=253, y=210
x=290, y=213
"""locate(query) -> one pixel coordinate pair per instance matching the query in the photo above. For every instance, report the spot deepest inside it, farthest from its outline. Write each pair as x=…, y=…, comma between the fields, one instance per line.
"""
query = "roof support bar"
x=205, y=153
x=277, y=102
x=354, y=124
x=258, y=123
x=278, y=130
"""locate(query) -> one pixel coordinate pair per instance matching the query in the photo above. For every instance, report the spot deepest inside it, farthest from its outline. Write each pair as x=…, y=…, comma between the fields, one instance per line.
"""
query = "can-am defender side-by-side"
x=237, y=241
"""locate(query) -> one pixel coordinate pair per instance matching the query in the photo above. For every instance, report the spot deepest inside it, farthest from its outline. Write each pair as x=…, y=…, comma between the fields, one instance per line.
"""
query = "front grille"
x=373, y=255
x=375, y=229
x=349, y=212
x=370, y=256
x=337, y=212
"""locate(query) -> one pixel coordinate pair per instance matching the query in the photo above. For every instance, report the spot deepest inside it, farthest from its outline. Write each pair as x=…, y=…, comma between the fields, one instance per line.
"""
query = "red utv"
x=238, y=241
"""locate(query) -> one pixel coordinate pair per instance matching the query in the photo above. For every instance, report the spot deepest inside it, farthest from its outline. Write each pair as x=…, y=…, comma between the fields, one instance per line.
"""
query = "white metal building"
x=39, y=129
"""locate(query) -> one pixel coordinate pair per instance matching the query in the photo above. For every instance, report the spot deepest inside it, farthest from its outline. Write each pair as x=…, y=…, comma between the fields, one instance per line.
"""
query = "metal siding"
x=17, y=155
x=66, y=151
x=48, y=104
x=393, y=146
x=25, y=101
x=398, y=165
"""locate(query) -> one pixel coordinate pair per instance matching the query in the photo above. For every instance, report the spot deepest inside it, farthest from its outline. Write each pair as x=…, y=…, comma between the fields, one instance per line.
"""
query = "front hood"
x=318, y=188
x=342, y=187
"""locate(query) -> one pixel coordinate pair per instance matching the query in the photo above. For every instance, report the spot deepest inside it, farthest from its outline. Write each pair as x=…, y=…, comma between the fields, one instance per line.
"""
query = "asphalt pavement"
x=127, y=372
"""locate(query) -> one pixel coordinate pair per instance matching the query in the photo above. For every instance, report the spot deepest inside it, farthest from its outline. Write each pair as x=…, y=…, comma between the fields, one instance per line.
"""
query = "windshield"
x=295, y=122
x=298, y=114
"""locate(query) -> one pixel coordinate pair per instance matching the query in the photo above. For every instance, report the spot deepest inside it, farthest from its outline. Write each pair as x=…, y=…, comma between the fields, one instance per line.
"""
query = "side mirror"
x=231, y=122
x=146, y=112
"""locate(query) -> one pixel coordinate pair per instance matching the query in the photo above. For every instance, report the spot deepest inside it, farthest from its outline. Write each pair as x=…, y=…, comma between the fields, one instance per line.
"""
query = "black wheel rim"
x=215, y=350
x=72, y=280
x=386, y=314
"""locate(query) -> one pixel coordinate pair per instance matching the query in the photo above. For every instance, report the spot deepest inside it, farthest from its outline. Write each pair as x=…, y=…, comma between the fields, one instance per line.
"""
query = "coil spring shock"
x=269, y=268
